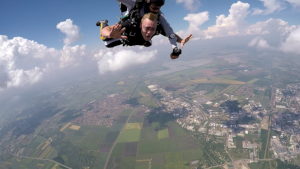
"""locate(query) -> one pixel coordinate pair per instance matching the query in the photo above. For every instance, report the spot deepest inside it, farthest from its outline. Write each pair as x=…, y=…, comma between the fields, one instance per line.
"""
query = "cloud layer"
x=289, y=45
x=114, y=61
x=234, y=24
x=25, y=62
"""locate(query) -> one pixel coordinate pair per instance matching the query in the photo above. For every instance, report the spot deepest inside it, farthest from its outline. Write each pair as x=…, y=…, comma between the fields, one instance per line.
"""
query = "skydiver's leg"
x=112, y=43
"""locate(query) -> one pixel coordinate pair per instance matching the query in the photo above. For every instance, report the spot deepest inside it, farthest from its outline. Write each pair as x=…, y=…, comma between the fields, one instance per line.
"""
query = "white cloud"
x=260, y=43
x=270, y=26
x=71, y=55
x=294, y=3
x=3, y=77
x=111, y=61
x=195, y=20
x=271, y=7
x=292, y=42
x=233, y=24
x=289, y=45
x=71, y=31
x=192, y=5
x=25, y=62
x=20, y=77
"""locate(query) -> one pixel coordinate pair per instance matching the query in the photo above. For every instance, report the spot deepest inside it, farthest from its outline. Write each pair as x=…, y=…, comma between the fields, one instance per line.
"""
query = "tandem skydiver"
x=135, y=10
x=147, y=29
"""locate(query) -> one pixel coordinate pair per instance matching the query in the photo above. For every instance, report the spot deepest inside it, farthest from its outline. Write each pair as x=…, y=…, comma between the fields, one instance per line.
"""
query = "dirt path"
x=268, y=138
x=108, y=157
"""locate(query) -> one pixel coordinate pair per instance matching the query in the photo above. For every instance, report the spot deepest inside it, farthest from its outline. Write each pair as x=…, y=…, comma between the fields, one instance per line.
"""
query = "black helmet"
x=156, y=2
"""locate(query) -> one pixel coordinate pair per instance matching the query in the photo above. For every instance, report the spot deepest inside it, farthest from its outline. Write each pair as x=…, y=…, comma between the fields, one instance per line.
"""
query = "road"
x=43, y=160
x=230, y=163
x=108, y=157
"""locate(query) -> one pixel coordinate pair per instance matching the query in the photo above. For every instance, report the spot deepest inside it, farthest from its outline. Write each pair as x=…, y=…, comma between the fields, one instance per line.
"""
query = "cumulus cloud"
x=114, y=61
x=292, y=42
x=232, y=24
x=195, y=20
x=71, y=55
x=260, y=43
x=289, y=45
x=3, y=77
x=25, y=62
x=192, y=5
x=71, y=31
x=270, y=26
x=20, y=77
x=271, y=7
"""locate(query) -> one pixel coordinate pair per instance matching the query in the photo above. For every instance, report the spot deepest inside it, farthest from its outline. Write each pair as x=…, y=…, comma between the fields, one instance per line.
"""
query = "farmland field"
x=148, y=134
x=163, y=133
x=130, y=135
x=131, y=126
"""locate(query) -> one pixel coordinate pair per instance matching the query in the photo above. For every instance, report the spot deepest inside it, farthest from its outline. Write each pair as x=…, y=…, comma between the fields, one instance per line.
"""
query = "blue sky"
x=37, y=19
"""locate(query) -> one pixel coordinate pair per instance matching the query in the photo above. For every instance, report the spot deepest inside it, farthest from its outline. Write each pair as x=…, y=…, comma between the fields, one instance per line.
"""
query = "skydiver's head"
x=148, y=25
x=155, y=5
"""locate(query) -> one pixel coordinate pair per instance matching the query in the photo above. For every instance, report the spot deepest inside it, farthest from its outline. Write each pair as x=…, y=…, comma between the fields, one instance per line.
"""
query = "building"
x=280, y=150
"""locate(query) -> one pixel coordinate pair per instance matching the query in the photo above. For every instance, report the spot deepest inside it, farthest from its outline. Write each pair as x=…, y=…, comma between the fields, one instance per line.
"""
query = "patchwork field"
x=131, y=126
x=163, y=133
x=167, y=147
x=130, y=135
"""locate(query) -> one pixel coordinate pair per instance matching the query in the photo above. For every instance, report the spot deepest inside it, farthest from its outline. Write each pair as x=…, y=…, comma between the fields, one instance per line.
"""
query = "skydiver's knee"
x=113, y=43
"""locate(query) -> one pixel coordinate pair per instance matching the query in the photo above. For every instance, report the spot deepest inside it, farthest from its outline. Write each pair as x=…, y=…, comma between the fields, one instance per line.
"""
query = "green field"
x=178, y=130
x=252, y=81
x=117, y=127
x=157, y=159
x=163, y=133
x=127, y=162
x=118, y=150
x=148, y=134
x=228, y=77
x=130, y=135
x=87, y=137
x=111, y=137
x=155, y=146
x=213, y=93
x=100, y=162
x=142, y=165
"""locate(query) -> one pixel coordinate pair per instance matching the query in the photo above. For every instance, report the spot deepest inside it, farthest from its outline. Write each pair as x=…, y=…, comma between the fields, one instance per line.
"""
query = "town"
x=225, y=119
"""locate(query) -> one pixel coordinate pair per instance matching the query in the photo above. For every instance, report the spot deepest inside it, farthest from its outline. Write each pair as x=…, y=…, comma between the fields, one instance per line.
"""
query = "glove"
x=175, y=54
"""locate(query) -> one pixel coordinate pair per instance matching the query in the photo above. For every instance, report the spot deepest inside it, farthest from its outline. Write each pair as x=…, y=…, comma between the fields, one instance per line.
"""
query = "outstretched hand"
x=116, y=32
x=185, y=40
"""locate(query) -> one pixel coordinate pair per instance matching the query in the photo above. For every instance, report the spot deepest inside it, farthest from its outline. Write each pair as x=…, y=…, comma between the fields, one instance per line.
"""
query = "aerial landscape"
x=231, y=100
x=220, y=112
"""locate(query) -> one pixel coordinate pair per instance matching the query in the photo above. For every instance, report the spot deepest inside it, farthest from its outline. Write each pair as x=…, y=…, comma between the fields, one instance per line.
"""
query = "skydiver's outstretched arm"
x=176, y=52
x=183, y=41
x=168, y=29
x=113, y=32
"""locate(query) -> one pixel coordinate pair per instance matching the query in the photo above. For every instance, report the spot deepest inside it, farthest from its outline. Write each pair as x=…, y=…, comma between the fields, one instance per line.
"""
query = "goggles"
x=154, y=7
